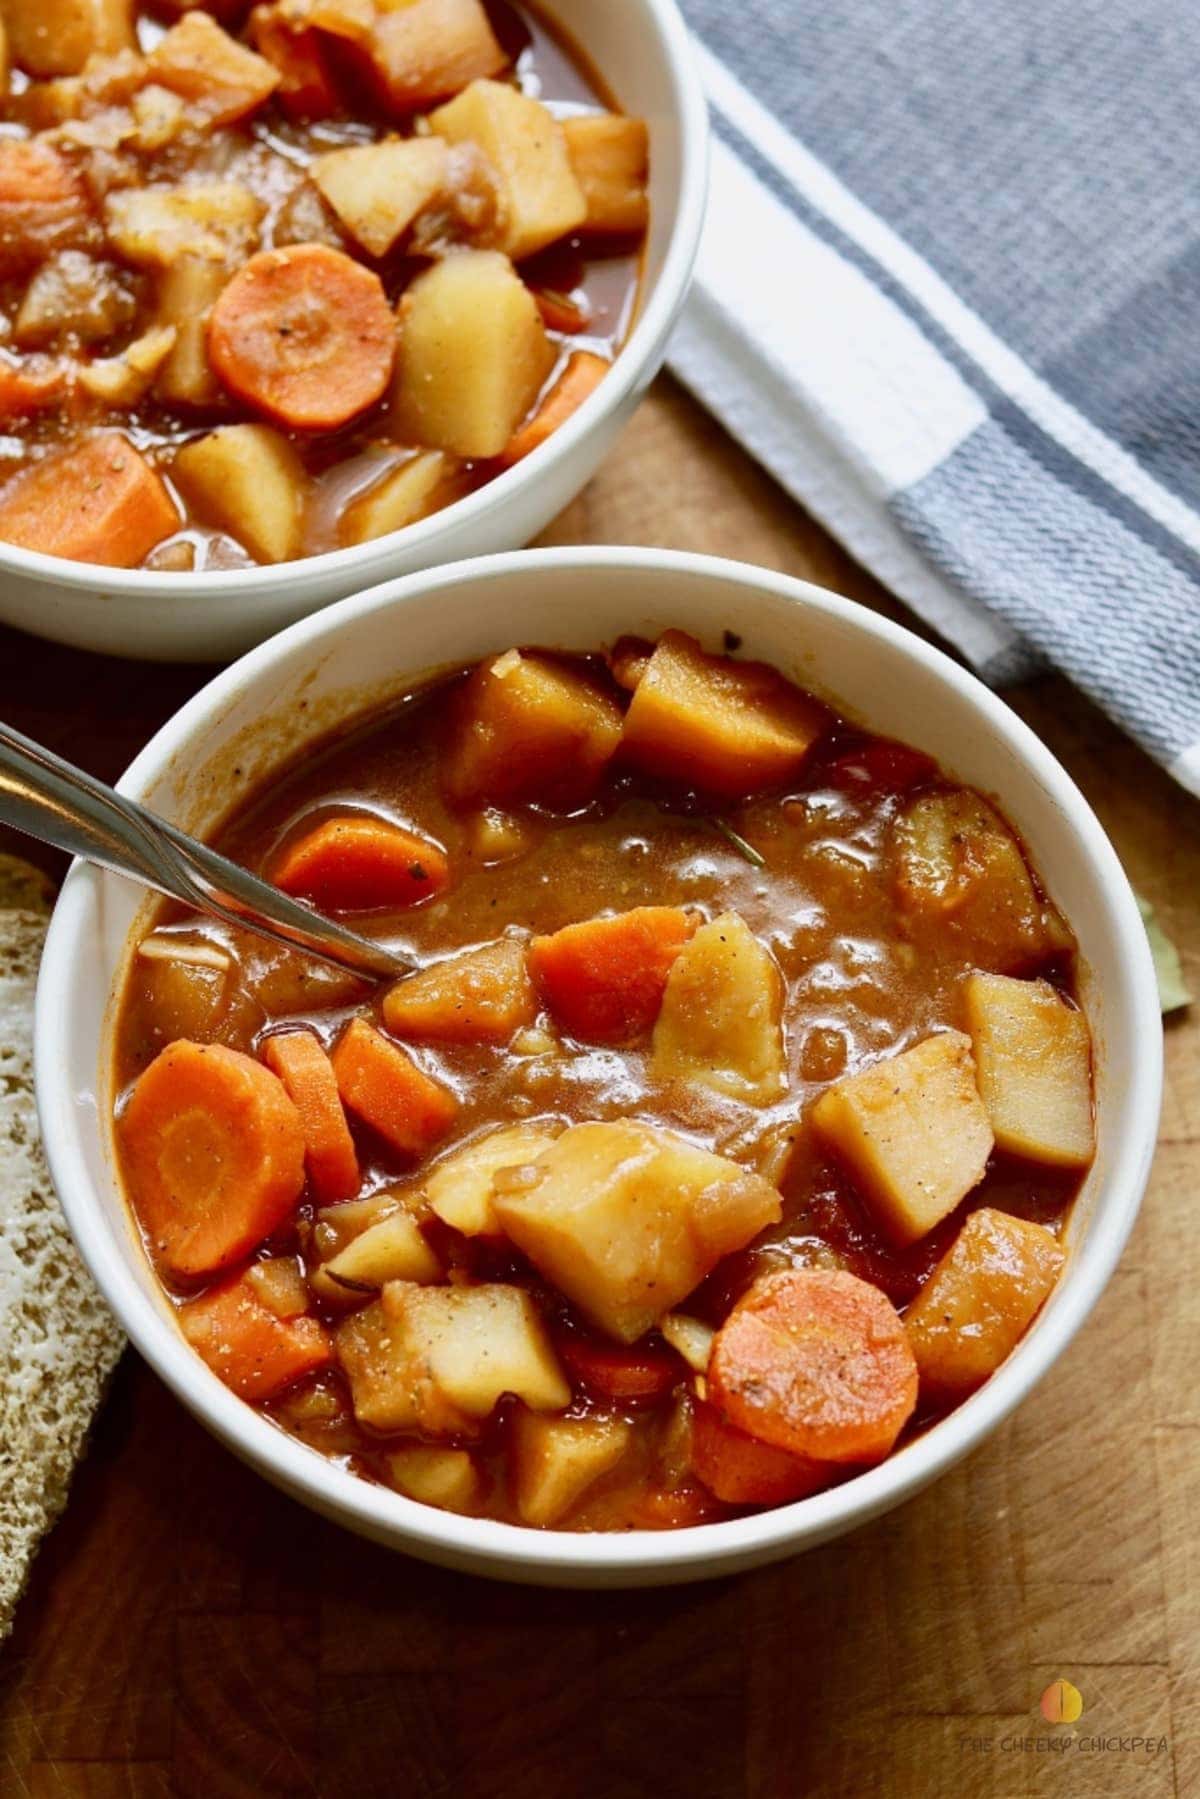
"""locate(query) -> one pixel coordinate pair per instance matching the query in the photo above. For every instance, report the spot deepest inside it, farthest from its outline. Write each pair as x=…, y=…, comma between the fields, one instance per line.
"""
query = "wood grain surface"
x=189, y=1631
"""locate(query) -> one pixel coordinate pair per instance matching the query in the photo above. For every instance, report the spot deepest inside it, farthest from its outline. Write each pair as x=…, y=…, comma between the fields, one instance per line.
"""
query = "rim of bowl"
x=651, y=329
x=513, y=1551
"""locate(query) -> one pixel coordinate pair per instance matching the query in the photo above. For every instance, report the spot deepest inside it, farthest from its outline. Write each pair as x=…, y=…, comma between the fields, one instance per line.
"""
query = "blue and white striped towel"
x=949, y=294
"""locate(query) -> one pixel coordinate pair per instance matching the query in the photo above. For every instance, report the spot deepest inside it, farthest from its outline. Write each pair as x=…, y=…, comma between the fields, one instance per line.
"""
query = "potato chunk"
x=393, y=1249
x=43, y=204
x=721, y=1021
x=437, y=1359
x=155, y=226
x=71, y=292
x=608, y=155
x=422, y=50
x=187, y=291
x=478, y=996
x=219, y=77
x=961, y=876
x=1033, y=1055
x=377, y=190
x=404, y=495
x=729, y=728
x=913, y=1131
x=248, y=481
x=980, y=1300
x=460, y=1189
x=526, y=146
x=447, y=1478
x=473, y=355
x=525, y=728
x=627, y=1218
x=56, y=37
x=556, y=1460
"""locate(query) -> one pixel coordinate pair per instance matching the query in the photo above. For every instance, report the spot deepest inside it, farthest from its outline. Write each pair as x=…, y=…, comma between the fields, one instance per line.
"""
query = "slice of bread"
x=58, y=1340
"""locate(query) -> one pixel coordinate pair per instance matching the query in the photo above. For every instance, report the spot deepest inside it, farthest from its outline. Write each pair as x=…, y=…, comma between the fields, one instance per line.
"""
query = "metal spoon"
x=47, y=798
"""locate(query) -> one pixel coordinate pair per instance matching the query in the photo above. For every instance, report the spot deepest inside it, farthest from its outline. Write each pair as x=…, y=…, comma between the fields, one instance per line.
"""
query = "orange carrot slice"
x=99, y=503
x=248, y=1346
x=816, y=1362
x=385, y=1088
x=582, y=375
x=353, y=864
x=214, y=1155
x=742, y=1471
x=625, y=1374
x=43, y=203
x=305, y=335
x=309, y=1082
x=29, y=386
x=603, y=980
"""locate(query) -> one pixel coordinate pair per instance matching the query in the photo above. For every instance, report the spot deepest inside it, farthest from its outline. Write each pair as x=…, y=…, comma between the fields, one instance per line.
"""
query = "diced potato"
x=556, y=1460
x=187, y=291
x=627, y=1218
x=422, y=50
x=182, y=999
x=394, y=1249
x=980, y=1300
x=248, y=481
x=336, y=1226
x=459, y=1189
x=960, y=874
x=154, y=226
x=1033, y=1059
x=608, y=154
x=221, y=78
x=160, y=117
x=404, y=495
x=377, y=190
x=721, y=1022
x=913, y=1131
x=729, y=728
x=689, y=1337
x=56, y=37
x=494, y=836
x=473, y=355
x=443, y=1477
x=478, y=996
x=72, y=292
x=526, y=146
x=471, y=209
x=437, y=1359
x=122, y=380
x=524, y=728
x=280, y=1285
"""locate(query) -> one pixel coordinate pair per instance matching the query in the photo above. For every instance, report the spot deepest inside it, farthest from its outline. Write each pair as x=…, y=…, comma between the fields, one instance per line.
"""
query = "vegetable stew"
x=282, y=279
x=721, y=1138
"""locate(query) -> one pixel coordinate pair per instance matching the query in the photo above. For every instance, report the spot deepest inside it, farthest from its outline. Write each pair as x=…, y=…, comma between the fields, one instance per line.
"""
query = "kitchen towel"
x=949, y=294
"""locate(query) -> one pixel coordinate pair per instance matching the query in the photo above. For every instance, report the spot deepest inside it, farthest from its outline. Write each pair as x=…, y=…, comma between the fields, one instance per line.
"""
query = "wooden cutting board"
x=190, y=1631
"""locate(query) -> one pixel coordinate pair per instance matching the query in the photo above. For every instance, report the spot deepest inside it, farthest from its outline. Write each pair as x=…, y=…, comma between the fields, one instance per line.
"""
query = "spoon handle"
x=45, y=797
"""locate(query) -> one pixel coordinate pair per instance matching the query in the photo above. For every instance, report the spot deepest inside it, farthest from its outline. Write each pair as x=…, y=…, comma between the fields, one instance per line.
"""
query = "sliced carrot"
x=99, y=503
x=214, y=1155
x=305, y=335
x=817, y=1362
x=743, y=1471
x=43, y=204
x=309, y=1081
x=611, y=1373
x=385, y=1088
x=356, y=863
x=29, y=386
x=560, y=312
x=582, y=375
x=481, y=996
x=603, y=980
x=674, y=1508
x=307, y=89
x=250, y=1347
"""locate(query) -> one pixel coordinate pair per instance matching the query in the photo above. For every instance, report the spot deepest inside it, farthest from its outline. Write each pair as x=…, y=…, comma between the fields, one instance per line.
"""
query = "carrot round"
x=355, y=863
x=253, y=1350
x=612, y=1373
x=742, y=1471
x=29, y=386
x=386, y=1089
x=214, y=1155
x=582, y=375
x=816, y=1362
x=99, y=503
x=603, y=980
x=308, y=1080
x=305, y=335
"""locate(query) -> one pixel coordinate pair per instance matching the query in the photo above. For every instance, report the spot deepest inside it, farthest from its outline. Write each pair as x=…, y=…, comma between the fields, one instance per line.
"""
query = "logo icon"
x=1061, y=1703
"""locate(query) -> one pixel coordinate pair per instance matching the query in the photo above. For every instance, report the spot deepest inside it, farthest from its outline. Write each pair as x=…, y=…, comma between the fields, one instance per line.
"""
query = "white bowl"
x=642, y=50
x=322, y=671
